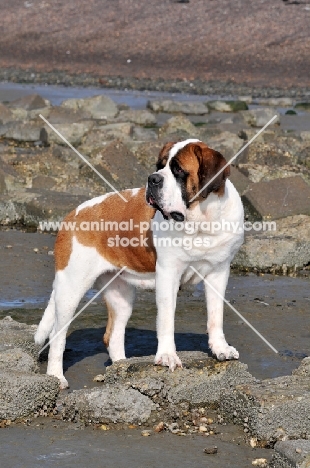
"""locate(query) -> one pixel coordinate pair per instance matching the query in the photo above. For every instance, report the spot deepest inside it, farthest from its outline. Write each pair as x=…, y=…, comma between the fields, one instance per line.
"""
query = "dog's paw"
x=63, y=383
x=170, y=360
x=225, y=352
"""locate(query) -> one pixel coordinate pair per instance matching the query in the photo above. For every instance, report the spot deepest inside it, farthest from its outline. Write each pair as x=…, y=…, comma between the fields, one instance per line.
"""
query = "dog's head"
x=185, y=170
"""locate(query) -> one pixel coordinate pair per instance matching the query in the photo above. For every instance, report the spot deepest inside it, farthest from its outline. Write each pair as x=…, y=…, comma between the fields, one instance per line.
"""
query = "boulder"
x=291, y=454
x=175, y=107
x=144, y=134
x=30, y=102
x=99, y=107
x=305, y=136
x=23, y=394
x=271, y=410
x=137, y=116
x=16, y=359
x=303, y=106
x=110, y=404
x=226, y=143
x=17, y=335
x=277, y=102
x=227, y=106
x=277, y=199
x=98, y=137
x=72, y=132
x=66, y=115
x=28, y=131
x=6, y=115
x=260, y=116
x=179, y=126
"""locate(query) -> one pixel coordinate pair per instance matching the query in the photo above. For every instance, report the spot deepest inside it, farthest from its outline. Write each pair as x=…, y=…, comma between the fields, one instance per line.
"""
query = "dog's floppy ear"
x=211, y=174
x=163, y=155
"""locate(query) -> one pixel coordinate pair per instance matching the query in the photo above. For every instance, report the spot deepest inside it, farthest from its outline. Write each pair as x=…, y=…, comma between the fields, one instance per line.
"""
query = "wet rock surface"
x=291, y=454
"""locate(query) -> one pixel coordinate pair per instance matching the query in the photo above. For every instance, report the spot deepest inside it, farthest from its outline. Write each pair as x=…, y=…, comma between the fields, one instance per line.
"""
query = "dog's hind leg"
x=47, y=322
x=119, y=298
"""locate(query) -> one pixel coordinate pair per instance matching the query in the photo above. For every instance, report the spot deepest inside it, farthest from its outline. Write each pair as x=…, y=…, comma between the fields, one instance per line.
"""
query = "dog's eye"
x=178, y=171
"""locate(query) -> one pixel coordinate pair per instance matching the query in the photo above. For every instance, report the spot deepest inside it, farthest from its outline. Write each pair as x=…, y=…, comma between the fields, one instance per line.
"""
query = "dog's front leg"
x=167, y=285
x=215, y=286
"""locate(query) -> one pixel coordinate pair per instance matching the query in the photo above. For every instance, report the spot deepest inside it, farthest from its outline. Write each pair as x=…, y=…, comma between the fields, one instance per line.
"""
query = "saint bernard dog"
x=190, y=187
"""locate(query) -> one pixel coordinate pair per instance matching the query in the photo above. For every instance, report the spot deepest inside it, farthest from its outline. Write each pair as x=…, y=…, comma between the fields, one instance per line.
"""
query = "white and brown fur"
x=83, y=258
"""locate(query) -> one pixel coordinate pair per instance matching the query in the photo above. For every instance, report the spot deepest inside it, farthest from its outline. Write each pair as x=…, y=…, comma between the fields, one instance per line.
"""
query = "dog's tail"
x=47, y=322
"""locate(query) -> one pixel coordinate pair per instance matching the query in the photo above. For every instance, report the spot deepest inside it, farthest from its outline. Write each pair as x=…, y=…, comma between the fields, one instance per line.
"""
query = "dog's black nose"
x=155, y=179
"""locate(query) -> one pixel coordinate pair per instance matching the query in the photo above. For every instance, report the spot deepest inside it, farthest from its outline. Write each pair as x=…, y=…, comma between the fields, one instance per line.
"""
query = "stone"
x=99, y=107
x=66, y=115
x=291, y=454
x=31, y=207
x=137, y=116
x=277, y=102
x=144, y=134
x=9, y=178
x=246, y=99
x=261, y=116
x=28, y=131
x=179, y=126
x=118, y=166
x=147, y=154
x=276, y=408
x=272, y=154
x=109, y=404
x=226, y=143
x=98, y=137
x=30, y=102
x=200, y=382
x=43, y=182
x=240, y=181
x=6, y=115
x=227, y=106
x=23, y=394
x=277, y=198
x=305, y=136
x=72, y=132
x=303, y=106
x=16, y=359
x=174, y=107
x=17, y=335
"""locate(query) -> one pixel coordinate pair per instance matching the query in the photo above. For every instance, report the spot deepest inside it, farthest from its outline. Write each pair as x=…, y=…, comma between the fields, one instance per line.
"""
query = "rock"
x=147, y=154
x=9, y=178
x=240, y=181
x=277, y=102
x=116, y=404
x=179, y=125
x=227, y=106
x=261, y=116
x=43, y=182
x=305, y=135
x=72, y=132
x=200, y=382
x=16, y=359
x=66, y=115
x=269, y=250
x=303, y=106
x=276, y=152
x=99, y=107
x=291, y=454
x=275, y=408
x=30, y=208
x=23, y=394
x=137, y=116
x=6, y=114
x=304, y=368
x=117, y=165
x=17, y=335
x=30, y=102
x=99, y=136
x=144, y=134
x=290, y=112
x=246, y=99
x=226, y=143
x=174, y=107
x=292, y=198
x=28, y=131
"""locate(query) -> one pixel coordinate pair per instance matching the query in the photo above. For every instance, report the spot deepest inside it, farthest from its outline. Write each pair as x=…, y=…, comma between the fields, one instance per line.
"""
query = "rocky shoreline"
x=42, y=179
x=194, y=86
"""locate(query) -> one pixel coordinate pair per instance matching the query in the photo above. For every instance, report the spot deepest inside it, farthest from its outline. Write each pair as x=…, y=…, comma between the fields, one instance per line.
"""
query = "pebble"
x=210, y=450
x=262, y=462
x=160, y=427
x=146, y=433
x=99, y=378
